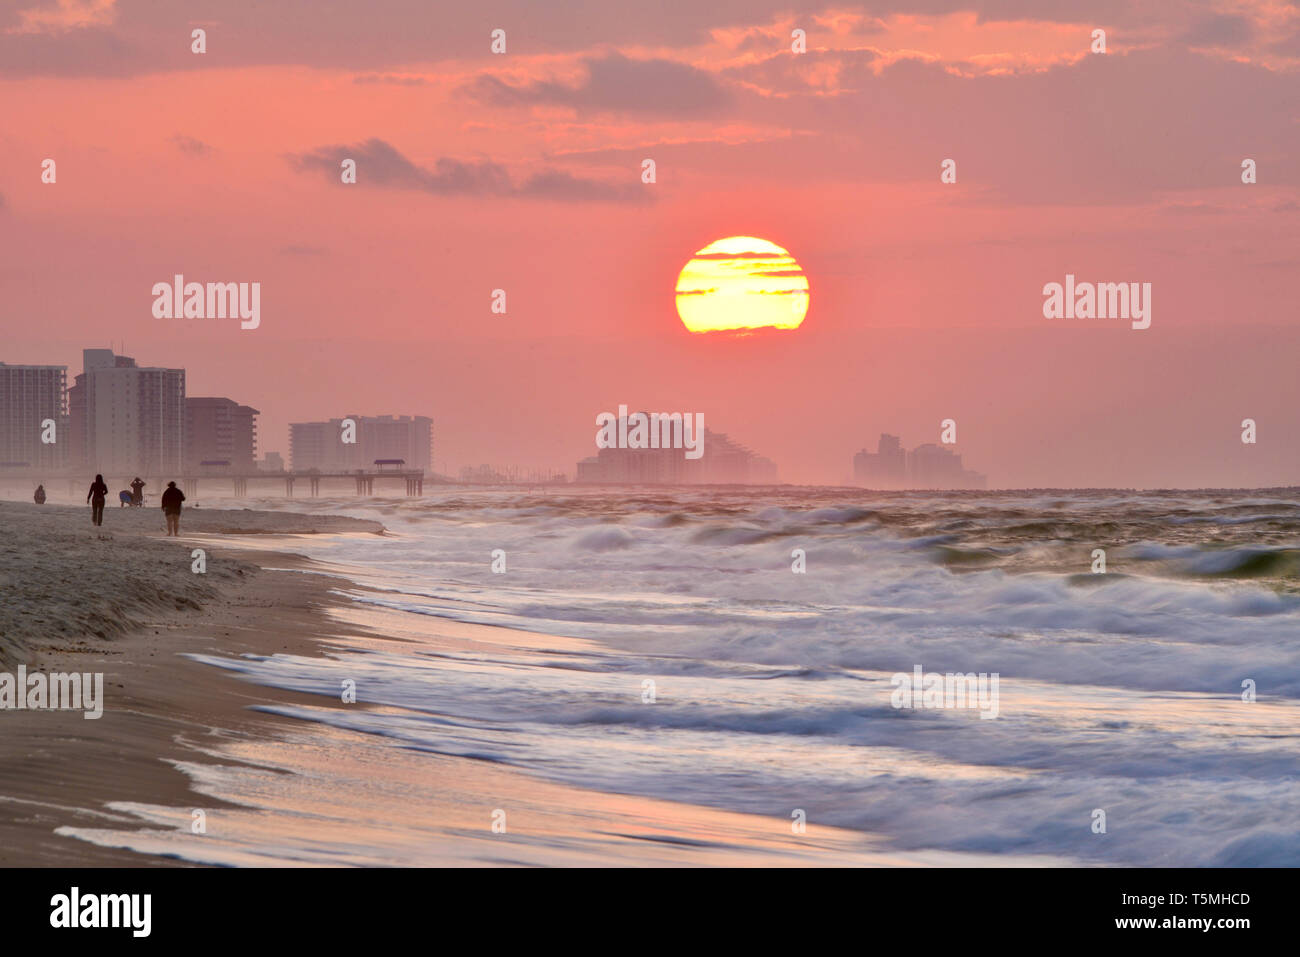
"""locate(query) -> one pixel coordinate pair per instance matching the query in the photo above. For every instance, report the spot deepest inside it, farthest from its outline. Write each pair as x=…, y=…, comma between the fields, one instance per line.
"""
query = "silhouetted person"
x=171, y=506
x=40, y=495
x=137, y=492
x=96, y=499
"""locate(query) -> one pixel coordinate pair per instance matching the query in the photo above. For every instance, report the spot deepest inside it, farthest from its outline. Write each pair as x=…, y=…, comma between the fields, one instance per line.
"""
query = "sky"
x=523, y=171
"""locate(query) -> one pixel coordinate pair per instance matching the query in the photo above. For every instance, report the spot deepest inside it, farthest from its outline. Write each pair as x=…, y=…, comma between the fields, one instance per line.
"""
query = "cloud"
x=391, y=79
x=815, y=70
x=89, y=52
x=1221, y=30
x=755, y=39
x=615, y=83
x=1104, y=130
x=385, y=37
x=747, y=254
x=1193, y=209
x=557, y=184
x=296, y=249
x=380, y=164
x=65, y=15
x=188, y=144
x=1287, y=46
x=379, y=35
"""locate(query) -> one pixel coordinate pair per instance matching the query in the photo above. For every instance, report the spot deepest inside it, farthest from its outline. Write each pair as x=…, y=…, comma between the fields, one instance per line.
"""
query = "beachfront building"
x=125, y=418
x=723, y=462
x=220, y=430
x=727, y=462
x=311, y=445
x=321, y=445
x=32, y=398
x=634, y=467
x=933, y=466
x=927, y=466
x=884, y=468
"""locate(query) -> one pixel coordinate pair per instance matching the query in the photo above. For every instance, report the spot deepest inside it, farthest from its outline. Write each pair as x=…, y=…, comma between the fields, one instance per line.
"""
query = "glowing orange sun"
x=742, y=283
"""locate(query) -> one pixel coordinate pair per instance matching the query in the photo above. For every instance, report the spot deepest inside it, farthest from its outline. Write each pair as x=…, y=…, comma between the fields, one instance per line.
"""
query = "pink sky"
x=522, y=171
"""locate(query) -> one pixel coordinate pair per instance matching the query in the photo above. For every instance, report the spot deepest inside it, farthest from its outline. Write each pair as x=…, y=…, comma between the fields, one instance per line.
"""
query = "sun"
x=742, y=283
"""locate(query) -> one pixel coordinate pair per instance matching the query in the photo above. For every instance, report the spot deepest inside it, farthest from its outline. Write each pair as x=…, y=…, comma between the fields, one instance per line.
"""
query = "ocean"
x=737, y=648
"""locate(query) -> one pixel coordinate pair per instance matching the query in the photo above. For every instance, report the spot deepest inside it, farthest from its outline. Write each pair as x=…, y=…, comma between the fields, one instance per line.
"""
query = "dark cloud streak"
x=618, y=84
x=380, y=164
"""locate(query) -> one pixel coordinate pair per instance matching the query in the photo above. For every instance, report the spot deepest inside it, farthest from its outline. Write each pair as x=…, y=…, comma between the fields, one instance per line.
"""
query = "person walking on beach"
x=40, y=495
x=96, y=499
x=171, y=506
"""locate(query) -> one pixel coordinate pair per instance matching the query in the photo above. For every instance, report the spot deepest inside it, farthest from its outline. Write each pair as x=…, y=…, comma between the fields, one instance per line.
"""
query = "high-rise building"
x=927, y=466
x=311, y=446
x=884, y=468
x=727, y=462
x=321, y=445
x=723, y=462
x=128, y=418
x=220, y=431
x=933, y=466
x=405, y=437
x=32, y=398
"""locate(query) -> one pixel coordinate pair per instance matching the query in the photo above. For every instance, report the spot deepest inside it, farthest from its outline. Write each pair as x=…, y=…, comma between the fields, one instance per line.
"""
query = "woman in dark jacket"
x=96, y=499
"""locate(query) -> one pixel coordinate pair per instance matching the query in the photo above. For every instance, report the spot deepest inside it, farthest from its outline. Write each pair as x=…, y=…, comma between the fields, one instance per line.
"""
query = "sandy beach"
x=122, y=599
x=178, y=735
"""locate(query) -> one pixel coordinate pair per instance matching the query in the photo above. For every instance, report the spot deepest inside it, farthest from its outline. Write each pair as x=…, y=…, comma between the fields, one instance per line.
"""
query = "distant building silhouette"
x=933, y=466
x=272, y=462
x=311, y=446
x=724, y=462
x=728, y=462
x=884, y=468
x=29, y=396
x=218, y=429
x=927, y=466
x=319, y=445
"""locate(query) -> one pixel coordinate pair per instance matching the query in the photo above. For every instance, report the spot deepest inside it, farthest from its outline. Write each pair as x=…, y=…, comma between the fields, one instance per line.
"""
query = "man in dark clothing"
x=96, y=499
x=40, y=495
x=137, y=492
x=171, y=506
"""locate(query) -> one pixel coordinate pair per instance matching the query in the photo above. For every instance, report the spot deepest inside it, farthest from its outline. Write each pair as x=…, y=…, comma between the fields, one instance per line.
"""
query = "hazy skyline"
x=523, y=172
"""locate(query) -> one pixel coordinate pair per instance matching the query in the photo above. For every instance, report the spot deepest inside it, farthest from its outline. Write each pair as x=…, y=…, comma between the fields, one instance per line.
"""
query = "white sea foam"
x=1119, y=691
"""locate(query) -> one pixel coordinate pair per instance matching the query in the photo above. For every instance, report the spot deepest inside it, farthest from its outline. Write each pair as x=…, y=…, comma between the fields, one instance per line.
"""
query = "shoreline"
x=59, y=769
x=77, y=792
